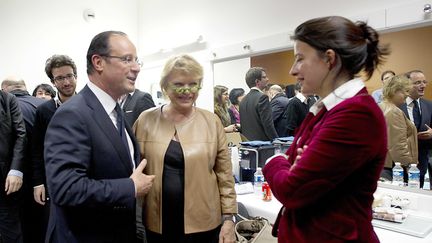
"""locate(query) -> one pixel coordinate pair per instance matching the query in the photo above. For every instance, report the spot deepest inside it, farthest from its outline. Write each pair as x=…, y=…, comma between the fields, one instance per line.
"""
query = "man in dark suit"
x=12, y=150
x=278, y=102
x=297, y=109
x=31, y=213
x=419, y=111
x=93, y=169
x=62, y=72
x=255, y=110
x=135, y=103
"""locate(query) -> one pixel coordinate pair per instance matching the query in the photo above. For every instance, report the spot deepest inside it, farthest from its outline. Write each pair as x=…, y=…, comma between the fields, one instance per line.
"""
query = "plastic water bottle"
x=258, y=181
x=414, y=176
x=398, y=175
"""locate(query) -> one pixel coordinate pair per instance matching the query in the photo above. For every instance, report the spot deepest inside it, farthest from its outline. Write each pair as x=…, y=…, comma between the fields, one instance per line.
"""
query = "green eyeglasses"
x=183, y=90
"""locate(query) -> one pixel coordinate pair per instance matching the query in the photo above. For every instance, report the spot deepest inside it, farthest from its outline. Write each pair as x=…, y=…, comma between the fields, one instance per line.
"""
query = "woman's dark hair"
x=45, y=87
x=356, y=44
x=234, y=94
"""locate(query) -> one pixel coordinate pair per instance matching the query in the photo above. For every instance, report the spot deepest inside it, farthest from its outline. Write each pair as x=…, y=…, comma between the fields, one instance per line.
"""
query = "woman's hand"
x=227, y=234
x=300, y=151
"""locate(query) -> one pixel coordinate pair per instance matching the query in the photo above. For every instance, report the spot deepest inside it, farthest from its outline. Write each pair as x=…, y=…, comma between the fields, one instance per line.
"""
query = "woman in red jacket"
x=327, y=178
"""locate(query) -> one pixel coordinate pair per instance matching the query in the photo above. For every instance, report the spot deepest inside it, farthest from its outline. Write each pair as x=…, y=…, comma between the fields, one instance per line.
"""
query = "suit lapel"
x=128, y=103
x=424, y=113
x=106, y=125
x=137, y=154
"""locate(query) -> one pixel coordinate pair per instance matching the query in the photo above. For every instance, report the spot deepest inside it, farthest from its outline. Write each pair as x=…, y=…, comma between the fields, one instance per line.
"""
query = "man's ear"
x=97, y=62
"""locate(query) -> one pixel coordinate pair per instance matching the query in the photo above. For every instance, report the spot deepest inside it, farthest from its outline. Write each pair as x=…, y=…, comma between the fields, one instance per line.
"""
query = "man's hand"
x=142, y=182
x=425, y=134
x=39, y=194
x=13, y=184
x=227, y=234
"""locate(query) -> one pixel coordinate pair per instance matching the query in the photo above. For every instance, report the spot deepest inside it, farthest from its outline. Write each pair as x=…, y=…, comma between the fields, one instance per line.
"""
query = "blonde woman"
x=221, y=102
x=401, y=132
x=186, y=149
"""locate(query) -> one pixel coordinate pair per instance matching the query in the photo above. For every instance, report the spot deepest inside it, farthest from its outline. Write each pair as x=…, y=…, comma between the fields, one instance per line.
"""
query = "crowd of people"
x=106, y=165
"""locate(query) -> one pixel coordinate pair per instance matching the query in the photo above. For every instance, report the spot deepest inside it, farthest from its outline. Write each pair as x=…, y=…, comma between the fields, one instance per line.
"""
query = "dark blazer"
x=44, y=113
x=328, y=194
x=28, y=105
x=295, y=113
x=256, y=117
x=88, y=169
x=12, y=136
x=279, y=104
x=423, y=145
x=135, y=104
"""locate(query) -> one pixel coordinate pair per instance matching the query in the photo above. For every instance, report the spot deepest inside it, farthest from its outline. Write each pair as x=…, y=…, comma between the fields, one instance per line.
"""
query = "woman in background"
x=235, y=96
x=186, y=149
x=221, y=102
x=401, y=132
x=327, y=178
x=44, y=91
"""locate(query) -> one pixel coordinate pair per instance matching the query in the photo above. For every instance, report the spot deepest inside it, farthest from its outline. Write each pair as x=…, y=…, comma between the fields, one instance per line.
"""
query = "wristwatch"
x=229, y=217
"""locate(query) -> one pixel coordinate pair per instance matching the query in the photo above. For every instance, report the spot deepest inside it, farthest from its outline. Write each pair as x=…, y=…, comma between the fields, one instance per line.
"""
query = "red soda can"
x=266, y=192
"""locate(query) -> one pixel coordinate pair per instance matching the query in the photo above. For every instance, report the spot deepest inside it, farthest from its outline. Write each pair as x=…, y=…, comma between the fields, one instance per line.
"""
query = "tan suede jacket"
x=401, y=135
x=209, y=184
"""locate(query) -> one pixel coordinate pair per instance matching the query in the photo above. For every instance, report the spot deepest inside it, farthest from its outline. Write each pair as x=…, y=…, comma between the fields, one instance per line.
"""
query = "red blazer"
x=328, y=193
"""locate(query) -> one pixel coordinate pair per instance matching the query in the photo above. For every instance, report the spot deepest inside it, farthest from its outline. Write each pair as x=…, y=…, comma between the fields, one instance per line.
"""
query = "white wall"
x=228, y=25
x=167, y=23
x=32, y=31
x=232, y=73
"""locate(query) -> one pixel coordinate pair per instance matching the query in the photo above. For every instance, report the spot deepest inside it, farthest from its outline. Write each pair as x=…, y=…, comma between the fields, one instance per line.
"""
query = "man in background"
x=62, y=72
x=297, y=109
x=255, y=110
x=31, y=213
x=12, y=151
x=134, y=103
x=419, y=111
x=378, y=94
x=279, y=102
x=92, y=159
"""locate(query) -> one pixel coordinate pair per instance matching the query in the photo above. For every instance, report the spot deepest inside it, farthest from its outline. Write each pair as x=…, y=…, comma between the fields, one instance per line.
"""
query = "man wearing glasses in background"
x=62, y=72
x=92, y=158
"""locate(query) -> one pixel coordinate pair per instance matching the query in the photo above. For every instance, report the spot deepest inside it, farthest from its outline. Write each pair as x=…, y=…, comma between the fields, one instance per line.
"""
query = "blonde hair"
x=395, y=84
x=181, y=64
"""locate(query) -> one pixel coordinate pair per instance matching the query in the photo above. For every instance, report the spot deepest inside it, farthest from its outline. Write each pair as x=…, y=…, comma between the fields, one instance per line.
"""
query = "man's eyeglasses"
x=183, y=90
x=61, y=79
x=128, y=60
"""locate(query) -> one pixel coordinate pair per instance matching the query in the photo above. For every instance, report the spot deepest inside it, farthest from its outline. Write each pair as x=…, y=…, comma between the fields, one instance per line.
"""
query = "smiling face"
x=64, y=80
x=182, y=90
x=118, y=75
x=310, y=69
x=419, y=85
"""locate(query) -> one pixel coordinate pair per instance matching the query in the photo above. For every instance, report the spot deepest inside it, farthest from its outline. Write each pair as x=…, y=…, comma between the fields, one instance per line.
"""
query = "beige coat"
x=209, y=184
x=401, y=135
